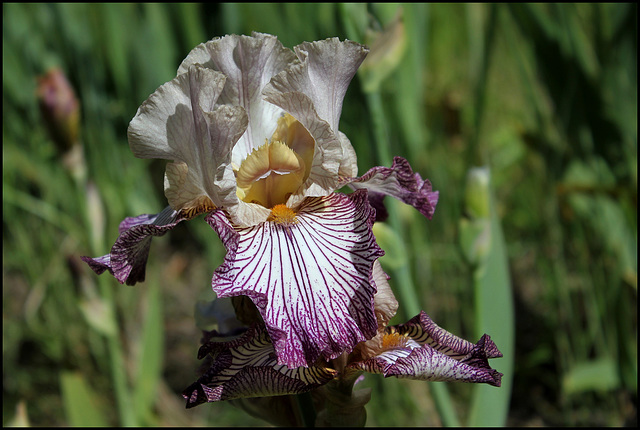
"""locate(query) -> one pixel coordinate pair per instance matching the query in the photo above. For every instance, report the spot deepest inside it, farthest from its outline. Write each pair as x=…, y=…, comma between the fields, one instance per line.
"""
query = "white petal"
x=311, y=281
x=164, y=125
x=330, y=66
x=385, y=302
x=248, y=63
x=312, y=91
x=180, y=122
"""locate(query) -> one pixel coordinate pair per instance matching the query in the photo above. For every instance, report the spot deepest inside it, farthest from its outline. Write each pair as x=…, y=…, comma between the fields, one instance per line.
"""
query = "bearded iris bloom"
x=246, y=366
x=250, y=130
x=419, y=349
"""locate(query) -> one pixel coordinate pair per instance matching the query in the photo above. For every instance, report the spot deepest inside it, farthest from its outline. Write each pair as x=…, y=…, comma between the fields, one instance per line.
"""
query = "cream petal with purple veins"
x=128, y=257
x=422, y=350
x=398, y=181
x=247, y=367
x=309, y=274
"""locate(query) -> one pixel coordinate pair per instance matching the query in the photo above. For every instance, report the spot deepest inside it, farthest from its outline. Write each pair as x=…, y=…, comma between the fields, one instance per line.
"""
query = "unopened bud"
x=475, y=226
x=387, y=49
x=60, y=108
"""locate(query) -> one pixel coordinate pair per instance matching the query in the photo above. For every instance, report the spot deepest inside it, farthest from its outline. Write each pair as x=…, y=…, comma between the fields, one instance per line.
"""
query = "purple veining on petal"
x=128, y=257
x=99, y=264
x=247, y=367
x=427, y=364
x=423, y=330
x=422, y=350
x=132, y=221
x=376, y=200
x=310, y=280
x=400, y=182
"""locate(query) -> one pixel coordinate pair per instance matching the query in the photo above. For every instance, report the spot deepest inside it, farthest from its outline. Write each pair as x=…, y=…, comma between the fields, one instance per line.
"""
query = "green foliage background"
x=543, y=96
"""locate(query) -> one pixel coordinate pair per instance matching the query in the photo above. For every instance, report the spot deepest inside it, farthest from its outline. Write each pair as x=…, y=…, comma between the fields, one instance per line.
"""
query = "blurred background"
x=523, y=116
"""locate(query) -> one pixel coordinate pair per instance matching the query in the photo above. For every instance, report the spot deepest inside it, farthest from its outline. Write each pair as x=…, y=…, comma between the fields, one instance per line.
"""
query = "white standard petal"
x=310, y=277
x=248, y=62
x=312, y=91
x=181, y=122
x=328, y=66
x=163, y=126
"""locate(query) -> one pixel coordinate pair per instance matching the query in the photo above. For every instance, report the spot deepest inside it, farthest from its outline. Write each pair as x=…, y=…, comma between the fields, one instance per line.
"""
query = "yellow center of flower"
x=282, y=214
x=393, y=340
x=277, y=169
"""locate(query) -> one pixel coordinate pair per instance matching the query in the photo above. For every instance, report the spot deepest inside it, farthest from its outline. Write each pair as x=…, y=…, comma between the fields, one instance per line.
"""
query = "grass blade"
x=495, y=316
x=151, y=357
x=80, y=402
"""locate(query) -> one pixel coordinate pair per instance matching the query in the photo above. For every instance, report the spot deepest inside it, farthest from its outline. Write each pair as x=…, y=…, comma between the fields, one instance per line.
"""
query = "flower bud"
x=475, y=226
x=60, y=108
x=387, y=50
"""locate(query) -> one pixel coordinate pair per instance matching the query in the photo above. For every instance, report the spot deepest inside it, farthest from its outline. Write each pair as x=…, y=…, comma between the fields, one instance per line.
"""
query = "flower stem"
x=116, y=354
x=407, y=289
x=306, y=409
x=343, y=406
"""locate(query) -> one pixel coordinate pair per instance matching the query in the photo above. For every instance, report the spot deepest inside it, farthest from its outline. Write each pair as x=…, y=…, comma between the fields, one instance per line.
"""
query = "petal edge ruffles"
x=398, y=181
x=127, y=260
x=311, y=281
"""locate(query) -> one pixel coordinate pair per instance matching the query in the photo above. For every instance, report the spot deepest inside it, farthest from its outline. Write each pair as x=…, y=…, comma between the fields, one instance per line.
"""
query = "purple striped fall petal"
x=247, y=367
x=310, y=276
x=422, y=350
x=128, y=256
x=398, y=181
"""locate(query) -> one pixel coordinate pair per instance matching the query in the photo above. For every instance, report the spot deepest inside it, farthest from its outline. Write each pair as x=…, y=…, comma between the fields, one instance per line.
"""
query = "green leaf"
x=151, y=357
x=395, y=249
x=494, y=316
x=81, y=403
x=596, y=375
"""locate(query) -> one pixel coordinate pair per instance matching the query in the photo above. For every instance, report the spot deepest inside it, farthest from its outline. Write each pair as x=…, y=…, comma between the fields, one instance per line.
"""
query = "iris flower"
x=250, y=130
x=246, y=366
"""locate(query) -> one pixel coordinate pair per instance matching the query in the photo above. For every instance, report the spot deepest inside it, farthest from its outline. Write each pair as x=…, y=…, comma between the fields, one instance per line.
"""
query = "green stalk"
x=306, y=410
x=123, y=398
x=116, y=356
x=407, y=290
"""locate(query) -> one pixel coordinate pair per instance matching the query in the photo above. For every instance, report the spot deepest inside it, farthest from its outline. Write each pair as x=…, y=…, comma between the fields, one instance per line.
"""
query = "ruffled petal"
x=181, y=122
x=400, y=182
x=323, y=176
x=349, y=163
x=247, y=367
x=248, y=62
x=326, y=69
x=312, y=91
x=310, y=278
x=422, y=350
x=128, y=257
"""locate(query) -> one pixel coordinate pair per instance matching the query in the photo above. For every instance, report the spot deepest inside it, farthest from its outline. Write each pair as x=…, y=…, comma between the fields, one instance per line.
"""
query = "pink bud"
x=59, y=107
